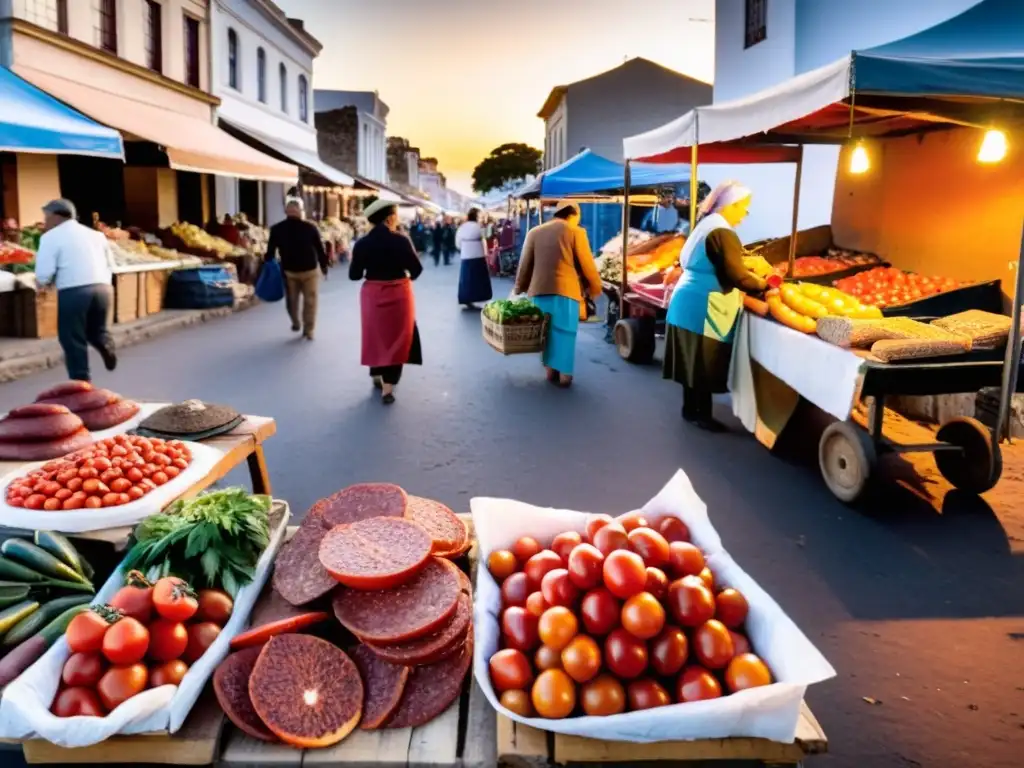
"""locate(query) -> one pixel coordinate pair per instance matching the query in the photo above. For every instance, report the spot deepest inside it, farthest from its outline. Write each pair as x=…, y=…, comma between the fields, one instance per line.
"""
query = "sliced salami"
x=432, y=689
x=383, y=684
x=39, y=428
x=86, y=400
x=298, y=575
x=110, y=415
x=66, y=388
x=363, y=501
x=420, y=606
x=231, y=684
x=377, y=553
x=48, y=449
x=443, y=525
x=432, y=647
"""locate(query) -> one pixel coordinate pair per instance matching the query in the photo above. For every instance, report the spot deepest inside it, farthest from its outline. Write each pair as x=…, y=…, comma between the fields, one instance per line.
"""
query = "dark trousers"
x=389, y=374
x=697, y=403
x=81, y=321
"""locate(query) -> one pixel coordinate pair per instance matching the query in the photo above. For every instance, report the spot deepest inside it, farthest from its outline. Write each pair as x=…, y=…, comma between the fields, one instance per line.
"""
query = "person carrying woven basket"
x=556, y=270
x=706, y=303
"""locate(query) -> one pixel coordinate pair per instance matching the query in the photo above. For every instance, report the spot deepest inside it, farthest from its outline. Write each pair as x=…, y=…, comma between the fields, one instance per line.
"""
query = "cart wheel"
x=846, y=456
x=977, y=466
x=635, y=339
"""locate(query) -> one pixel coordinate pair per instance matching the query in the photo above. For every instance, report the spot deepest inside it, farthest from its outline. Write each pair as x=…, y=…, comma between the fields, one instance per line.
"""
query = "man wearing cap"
x=78, y=261
x=303, y=260
x=665, y=216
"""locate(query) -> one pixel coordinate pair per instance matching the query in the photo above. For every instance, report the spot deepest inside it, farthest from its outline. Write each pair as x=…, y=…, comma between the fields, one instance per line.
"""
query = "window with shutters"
x=153, y=31
x=261, y=74
x=105, y=25
x=303, y=99
x=757, y=22
x=282, y=73
x=233, y=59
x=192, y=51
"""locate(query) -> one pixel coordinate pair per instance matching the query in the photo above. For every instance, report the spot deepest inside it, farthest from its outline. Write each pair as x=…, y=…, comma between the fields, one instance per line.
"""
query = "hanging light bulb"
x=993, y=147
x=859, y=162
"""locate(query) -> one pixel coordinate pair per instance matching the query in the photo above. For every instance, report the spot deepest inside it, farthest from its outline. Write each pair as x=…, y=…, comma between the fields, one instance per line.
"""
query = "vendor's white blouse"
x=469, y=239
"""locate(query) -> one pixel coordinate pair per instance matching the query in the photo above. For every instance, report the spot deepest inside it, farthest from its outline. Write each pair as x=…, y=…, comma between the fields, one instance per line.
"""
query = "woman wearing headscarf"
x=474, y=279
x=706, y=303
x=388, y=263
x=556, y=270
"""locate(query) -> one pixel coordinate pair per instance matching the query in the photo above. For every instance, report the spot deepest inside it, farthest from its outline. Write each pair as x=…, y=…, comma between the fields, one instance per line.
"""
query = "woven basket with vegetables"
x=514, y=326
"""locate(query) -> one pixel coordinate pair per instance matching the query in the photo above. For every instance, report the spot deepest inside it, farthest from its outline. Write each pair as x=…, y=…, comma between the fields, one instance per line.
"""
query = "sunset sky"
x=463, y=76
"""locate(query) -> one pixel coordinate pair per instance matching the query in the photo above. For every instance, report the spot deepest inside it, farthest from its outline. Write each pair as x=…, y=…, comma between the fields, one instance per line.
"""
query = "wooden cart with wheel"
x=635, y=334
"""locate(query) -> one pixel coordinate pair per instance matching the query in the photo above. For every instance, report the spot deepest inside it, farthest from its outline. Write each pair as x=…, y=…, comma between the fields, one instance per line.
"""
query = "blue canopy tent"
x=588, y=174
x=34, y=121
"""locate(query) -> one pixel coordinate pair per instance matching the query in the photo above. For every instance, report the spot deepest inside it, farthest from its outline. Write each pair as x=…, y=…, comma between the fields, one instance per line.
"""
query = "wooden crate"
x=28, y=314
x=156, y=286
x=126, y=297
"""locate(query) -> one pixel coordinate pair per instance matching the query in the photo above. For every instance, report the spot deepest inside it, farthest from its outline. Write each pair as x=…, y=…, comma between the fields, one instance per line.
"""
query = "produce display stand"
x=139, y=289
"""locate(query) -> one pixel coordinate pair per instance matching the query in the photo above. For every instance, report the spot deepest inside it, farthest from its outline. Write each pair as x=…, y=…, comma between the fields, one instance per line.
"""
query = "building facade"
x=352, y=132
x=760, y=43
x=262, y=72
x=599, y=112
x=403, y=164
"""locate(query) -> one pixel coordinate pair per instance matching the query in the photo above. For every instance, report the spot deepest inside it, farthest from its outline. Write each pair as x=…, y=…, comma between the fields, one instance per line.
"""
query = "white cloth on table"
x=73, y=255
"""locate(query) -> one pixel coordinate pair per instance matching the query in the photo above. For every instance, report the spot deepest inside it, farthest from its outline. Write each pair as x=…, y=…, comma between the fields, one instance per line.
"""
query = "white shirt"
x=73, y=255
x=469, y=239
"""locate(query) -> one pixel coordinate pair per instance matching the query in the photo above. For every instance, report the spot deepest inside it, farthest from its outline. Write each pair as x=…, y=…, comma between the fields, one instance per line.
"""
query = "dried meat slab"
x=433, y=647
x=432, y=689
x=378, y=553
x=444, y=526
x=231, y=685
x=383, y=684
x=299, y=576
x=414, y=609
x=363, y=501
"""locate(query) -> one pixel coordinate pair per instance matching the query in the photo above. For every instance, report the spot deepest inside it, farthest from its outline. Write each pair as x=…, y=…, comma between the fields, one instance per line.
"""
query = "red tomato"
x=168, y=673
x=547, y=658
x=558, y=589
x=167, y=640
x=200, y=637
x=632, y=521
x=604, y=695
x=564, y=543
x=539, y=564
x=657, y=583
x=557, y=627
x=669, y=651
x=650, y=545
x=610, y=538
x=502, y=564
x=643, y=616
x=585, y=564
x=697, y=684
x=690, y=601
x=519, y=628
x=535, y=604
x=600, y=611
x=77, y=702
x=595, y=523
x=85, y=632
x=174, y=599
x=525, y=548
x=624, y=573
x=517, y=702
x=83, y=669
x=684, y=559
x=647, y=694
x=553, y=694
x=135, y=598
x=126, y=642
x=740, y=643
x=712, y=645
x=214, y=605
x=514, y=590
x=673, y=529
x=119, y=684
x=510, y=670
x=731, y=608
x=708, y=578
x=624, y=655
x=581, y=658
x=746, y=671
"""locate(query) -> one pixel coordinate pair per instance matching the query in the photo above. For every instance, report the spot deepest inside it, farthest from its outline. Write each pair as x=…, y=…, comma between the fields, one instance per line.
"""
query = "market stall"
x=938, y=335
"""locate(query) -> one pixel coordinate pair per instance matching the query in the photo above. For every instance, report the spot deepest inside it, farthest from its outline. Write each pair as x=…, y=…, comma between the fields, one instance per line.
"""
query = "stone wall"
x=338, y=137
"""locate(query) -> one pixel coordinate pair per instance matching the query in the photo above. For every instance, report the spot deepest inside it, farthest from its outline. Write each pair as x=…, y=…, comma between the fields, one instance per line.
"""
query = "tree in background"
x=509, y=162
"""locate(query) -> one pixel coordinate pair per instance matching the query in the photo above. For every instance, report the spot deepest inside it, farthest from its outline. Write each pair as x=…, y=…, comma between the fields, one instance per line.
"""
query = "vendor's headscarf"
x=725, y=194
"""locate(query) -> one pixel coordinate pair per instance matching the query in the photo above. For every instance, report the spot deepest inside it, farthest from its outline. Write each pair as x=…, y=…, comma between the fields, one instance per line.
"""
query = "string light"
x=993, y=147
x=859, y=161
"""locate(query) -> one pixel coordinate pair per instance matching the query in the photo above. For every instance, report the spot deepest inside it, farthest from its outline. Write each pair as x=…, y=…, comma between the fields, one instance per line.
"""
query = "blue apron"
x=698, y=303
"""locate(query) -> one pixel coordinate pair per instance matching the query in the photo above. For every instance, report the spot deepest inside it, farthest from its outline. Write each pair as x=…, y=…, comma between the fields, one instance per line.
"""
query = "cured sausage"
x=86, y=400
x=383, y=685
x=416, y=608
x=433, y=647
x=67, y=388
x=40, y=428
x=298, y=575
x=378, y=553
x=109, y=416
x=431, y=690
x=363, y=501
x=443, y=525
x=42, y=451
x=231, y=684
x=37, y=409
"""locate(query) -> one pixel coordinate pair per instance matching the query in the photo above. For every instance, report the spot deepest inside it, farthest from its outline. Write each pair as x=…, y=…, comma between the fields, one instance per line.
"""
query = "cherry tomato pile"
x=620, y=618
x=888, y=286
x=108, y=473
x=146, y=637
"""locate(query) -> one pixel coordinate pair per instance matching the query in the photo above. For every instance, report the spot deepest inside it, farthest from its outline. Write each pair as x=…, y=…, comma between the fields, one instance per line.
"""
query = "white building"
x=262, y=71
x=366, y=152
x=759, y=43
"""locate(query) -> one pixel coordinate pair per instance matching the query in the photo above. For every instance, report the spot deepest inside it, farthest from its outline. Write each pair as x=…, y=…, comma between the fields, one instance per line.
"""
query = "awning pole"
x=693, y=188
x=796, y=210
x=1011, y=363
x=627, y=180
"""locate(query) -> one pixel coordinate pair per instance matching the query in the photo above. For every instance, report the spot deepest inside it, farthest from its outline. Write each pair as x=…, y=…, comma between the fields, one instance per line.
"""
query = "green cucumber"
x=16, y=592
x=38, y=559
x=11, y=616
x=35, y=621
x=62, y=549
x=22, y=657
x=67, y=586
x=13, y=571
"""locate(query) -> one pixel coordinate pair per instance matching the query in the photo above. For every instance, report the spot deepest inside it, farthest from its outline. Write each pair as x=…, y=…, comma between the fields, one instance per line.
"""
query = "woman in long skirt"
x=474, y=278
x=388, y=263
x=555, y=269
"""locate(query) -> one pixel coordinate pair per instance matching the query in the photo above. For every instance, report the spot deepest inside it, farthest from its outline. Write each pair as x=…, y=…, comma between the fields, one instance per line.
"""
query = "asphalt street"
x=916, y=597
